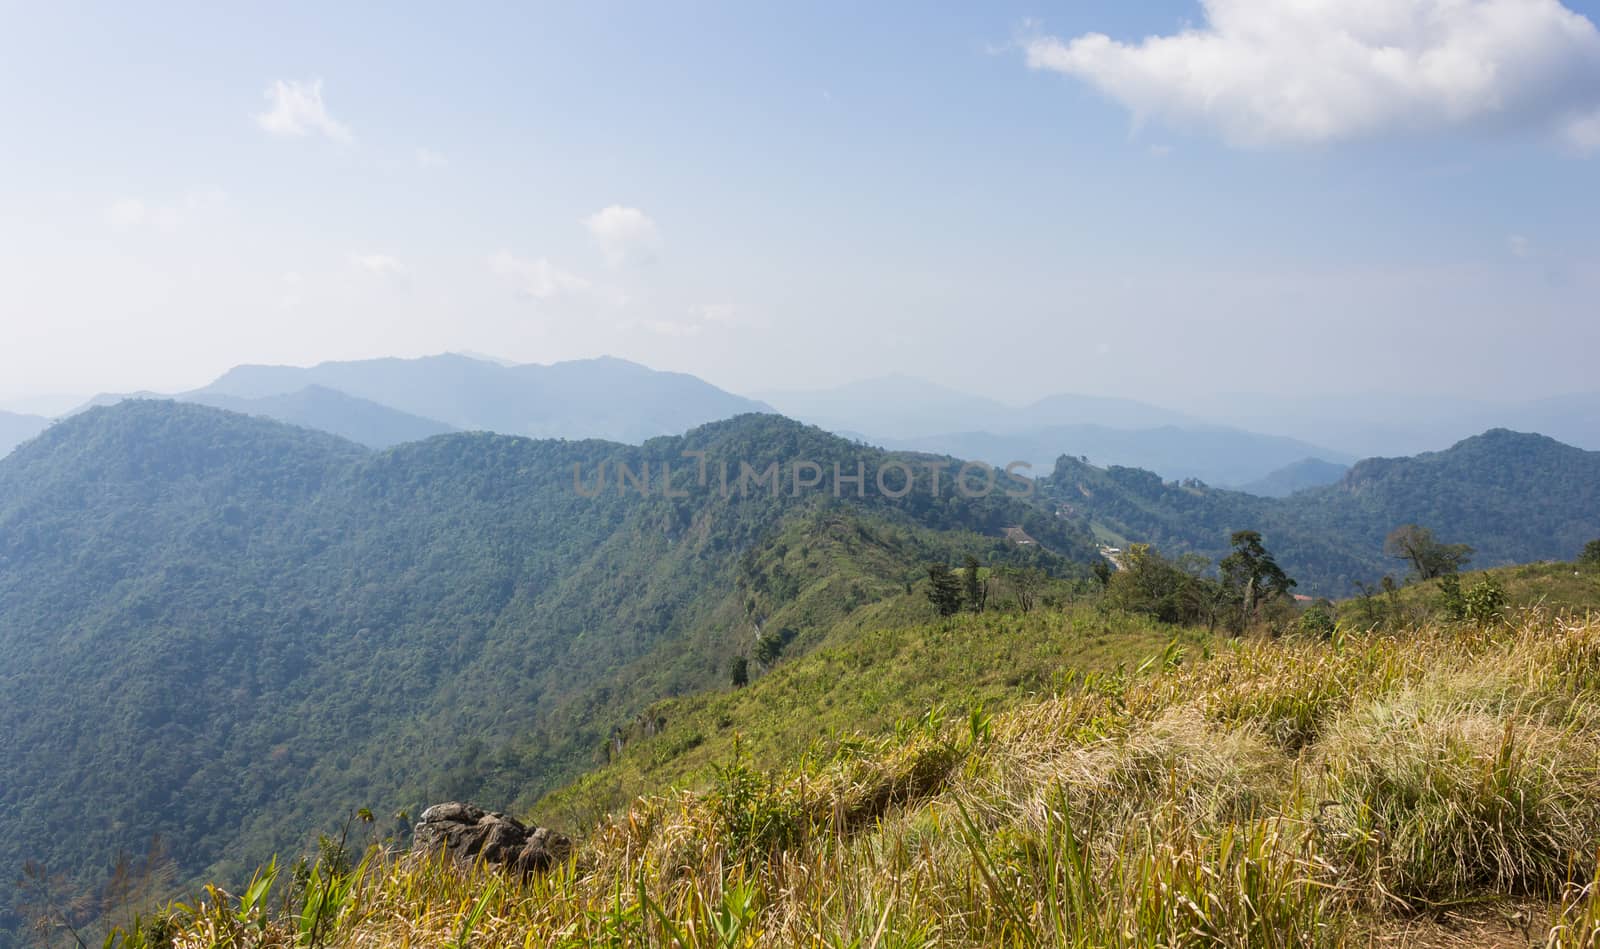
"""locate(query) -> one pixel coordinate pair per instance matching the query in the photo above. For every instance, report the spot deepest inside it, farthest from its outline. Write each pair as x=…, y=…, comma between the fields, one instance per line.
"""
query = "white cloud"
x=540, y=279
x=624, y=234
x=1519, y=246
x=297, y=111
x=669, y=327
x=131, y=214
x=724, y=314
x=702, y=316
x=428, y=158
x=125, y=214
x=380, y=264
x=1263, y=72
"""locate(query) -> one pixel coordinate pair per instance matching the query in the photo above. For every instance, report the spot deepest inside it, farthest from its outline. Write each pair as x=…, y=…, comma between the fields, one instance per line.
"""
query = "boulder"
x=469, y=834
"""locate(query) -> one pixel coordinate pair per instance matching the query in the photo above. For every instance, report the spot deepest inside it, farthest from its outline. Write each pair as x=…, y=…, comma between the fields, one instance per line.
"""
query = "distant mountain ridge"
x=905, y=408
x=605, y=398
x=1216, y=456
x=1297, y=476
x=907, y=413
x=329, y=410
x=1514, y=497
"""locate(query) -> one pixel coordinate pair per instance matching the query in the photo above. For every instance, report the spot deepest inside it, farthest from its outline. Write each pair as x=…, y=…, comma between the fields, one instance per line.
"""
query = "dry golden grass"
x=1437, y=787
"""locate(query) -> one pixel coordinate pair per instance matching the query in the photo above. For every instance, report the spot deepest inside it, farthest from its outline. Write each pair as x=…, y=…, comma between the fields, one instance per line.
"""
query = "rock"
x=469, y=834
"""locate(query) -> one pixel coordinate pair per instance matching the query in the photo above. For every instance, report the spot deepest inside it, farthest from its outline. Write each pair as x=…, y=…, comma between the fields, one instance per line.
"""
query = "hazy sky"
x=1151, y=199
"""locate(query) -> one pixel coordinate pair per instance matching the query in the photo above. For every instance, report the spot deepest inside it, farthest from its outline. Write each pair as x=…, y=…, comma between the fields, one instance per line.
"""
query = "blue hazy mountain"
x=16, y=429
x=590, y=398
x=1305, y=473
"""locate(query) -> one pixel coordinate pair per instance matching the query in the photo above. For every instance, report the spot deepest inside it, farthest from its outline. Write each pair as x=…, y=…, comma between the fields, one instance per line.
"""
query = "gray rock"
x=469, y=834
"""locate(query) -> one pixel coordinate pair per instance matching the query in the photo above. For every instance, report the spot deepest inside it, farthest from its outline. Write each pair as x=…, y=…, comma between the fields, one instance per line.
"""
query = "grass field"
x=1429, y=786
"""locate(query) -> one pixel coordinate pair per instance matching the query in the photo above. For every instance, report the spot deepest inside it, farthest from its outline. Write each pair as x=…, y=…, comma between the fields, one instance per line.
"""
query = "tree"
x=1251, y=576
x=977, y=589
x=1024, y=584
x=1591, y=554
x=739, y=672
x=944, y=590
x=1428, y=557
x=1102, y=571
x=1172, y=591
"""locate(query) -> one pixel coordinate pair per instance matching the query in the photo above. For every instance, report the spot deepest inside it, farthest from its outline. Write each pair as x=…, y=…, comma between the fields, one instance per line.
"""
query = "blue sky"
x=782, y=196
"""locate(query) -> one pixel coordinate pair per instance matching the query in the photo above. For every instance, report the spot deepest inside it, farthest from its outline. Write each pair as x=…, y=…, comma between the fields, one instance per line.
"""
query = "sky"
x=1160, y=200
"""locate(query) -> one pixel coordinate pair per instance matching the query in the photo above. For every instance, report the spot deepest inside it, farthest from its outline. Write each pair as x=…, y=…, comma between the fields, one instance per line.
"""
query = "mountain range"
x=907, y=413
x=604, y=398
x=1513, y=497
x=266, y=626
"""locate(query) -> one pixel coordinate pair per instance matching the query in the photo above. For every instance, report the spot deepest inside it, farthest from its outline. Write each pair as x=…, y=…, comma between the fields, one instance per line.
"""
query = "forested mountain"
x=225, y=631
x=16, y=429
x=589, y=398
x=329, y=410
x=1513, y=497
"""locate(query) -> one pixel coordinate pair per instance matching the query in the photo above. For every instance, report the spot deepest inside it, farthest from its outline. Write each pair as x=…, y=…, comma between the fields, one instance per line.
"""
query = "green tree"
x=1451, y=599
x=1172, y=591
x=1102, y=571
x=1251, y=576
x=977, y=589
x=739, y=672
x=1428, y=557
x=944, y=590
x=1591, y=554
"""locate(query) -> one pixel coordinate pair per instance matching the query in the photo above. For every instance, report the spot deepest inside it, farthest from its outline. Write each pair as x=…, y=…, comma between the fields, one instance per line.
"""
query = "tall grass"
x=1270, y=795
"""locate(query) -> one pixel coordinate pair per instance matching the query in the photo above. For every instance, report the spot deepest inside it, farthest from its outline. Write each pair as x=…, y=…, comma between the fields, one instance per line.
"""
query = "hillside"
x=1514, y=497
x=592, y=398
x=264, y=624
x=16, y=429
x=862, y=681
x=1431, y=787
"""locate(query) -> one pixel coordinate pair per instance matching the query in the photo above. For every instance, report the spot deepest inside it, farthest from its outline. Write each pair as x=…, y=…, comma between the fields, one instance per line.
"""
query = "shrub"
x=1318, y=622
x=1485, y=602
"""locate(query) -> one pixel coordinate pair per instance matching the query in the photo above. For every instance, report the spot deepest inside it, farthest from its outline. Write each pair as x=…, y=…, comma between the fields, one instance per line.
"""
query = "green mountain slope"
x=881, y=668
x=1514, y=497
x=220, y=629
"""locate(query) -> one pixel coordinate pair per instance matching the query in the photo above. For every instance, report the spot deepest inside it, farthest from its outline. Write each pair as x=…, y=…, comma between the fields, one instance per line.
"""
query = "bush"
x=1485, y=602
x=1317, y=621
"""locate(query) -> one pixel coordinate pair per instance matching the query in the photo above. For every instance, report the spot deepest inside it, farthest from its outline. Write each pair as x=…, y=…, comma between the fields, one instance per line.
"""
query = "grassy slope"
x=1274, y=794
x=875, y=670
x=1553, y=586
